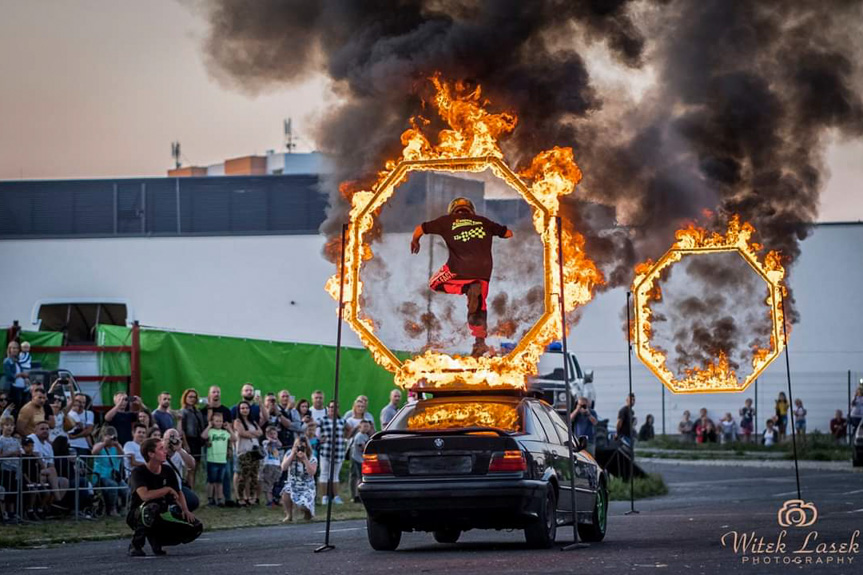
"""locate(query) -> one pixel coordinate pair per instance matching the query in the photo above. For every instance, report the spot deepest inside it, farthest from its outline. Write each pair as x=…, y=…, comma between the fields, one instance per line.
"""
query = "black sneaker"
x=136, y=551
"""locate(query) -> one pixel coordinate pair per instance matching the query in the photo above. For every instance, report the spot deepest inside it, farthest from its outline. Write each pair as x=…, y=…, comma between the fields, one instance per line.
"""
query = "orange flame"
x=716, y=375
x=465, y=414
x=471, y=144
x=474, y=132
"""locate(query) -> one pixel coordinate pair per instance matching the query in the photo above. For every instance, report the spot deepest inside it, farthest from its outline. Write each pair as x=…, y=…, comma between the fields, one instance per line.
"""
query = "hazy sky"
x=97, y=88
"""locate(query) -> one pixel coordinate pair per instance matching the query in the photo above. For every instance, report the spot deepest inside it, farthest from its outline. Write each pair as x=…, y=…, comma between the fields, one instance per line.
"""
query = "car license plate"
x=440, y=465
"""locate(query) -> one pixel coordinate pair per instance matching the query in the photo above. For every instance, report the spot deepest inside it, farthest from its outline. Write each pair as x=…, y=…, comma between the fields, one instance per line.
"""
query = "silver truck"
x=550, y=378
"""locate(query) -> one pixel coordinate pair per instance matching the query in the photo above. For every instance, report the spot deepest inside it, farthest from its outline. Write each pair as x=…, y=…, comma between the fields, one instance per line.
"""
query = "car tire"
x=541, y=534
x=447, y=535
x=382, y=537
x=595, y=532
x=857, y=459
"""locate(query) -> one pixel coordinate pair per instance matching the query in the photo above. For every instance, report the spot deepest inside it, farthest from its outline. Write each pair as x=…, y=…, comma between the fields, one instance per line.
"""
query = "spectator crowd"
x=726, y=430
x=259, y=449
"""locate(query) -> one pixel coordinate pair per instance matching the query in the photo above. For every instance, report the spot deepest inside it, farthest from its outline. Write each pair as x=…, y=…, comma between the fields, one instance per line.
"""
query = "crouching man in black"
x=158, y=512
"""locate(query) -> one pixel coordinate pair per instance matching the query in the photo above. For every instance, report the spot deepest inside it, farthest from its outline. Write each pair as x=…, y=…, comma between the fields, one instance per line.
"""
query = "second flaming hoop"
x=717, y=375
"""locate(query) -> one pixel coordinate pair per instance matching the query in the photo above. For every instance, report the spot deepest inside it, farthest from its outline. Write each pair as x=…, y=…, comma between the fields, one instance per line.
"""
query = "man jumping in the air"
x=468, y=269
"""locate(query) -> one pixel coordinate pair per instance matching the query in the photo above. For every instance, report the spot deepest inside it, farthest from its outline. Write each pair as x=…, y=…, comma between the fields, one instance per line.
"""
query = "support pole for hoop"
x=629, y=411
x=790, y=397
x=327, y=545
x=576, y=544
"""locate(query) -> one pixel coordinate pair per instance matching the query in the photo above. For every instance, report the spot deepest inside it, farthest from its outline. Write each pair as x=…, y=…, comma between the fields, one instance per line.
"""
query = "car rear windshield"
x=439, y=415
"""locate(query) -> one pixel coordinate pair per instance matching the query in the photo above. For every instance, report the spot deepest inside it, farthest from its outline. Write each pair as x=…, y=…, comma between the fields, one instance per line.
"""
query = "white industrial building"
x=247, y=262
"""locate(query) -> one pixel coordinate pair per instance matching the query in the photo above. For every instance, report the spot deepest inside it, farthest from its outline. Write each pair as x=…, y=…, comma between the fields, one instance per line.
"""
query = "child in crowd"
x=770, y=435
x=31, y=471
x=747, y=420
x=781, y=415
x=358, y=445
x=25, y=360
x=270, y=468
x=729, y=429
x=218, y=435
x=10, y=450
x=800, y=419
x=312, y=435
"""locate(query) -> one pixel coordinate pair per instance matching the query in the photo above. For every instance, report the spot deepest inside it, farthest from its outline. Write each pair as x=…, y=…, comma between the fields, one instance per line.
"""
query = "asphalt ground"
x=677, y=533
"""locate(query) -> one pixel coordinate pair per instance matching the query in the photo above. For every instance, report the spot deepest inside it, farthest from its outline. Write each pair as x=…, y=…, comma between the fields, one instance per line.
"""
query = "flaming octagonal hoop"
x=439, y=369
x=715, y=378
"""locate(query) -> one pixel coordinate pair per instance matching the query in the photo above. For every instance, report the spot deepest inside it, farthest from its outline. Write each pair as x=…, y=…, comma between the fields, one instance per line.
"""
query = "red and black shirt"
x=468, y=238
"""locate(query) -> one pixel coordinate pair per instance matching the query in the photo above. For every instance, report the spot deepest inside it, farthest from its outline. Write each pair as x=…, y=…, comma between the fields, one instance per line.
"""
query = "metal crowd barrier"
x=34, y=488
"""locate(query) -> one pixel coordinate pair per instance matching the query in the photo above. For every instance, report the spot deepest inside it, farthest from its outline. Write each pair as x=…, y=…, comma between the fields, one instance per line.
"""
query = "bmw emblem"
x=438, y=443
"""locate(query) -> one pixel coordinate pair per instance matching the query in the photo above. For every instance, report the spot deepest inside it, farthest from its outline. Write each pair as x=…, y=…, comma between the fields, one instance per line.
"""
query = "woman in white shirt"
x=358, y=413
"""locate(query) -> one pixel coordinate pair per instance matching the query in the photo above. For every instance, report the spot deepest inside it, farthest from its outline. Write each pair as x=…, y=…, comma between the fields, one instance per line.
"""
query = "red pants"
x=446, y=281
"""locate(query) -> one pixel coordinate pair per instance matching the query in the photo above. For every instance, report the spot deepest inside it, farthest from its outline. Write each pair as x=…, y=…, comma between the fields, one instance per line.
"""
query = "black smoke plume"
x=739, y=102
x=744, y=97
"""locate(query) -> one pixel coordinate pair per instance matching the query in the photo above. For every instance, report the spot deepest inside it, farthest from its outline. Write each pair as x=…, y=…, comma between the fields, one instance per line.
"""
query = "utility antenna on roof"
x=175, y=153
x=289, y=136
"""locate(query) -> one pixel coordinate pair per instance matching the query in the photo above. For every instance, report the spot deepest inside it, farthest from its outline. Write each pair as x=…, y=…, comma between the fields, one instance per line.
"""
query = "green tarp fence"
x=36, y=338
x=44, y=338
x=173, y=362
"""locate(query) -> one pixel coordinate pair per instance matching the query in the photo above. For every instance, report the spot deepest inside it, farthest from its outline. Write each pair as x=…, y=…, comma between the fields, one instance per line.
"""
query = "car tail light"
x=507, y=461
x=374, y=464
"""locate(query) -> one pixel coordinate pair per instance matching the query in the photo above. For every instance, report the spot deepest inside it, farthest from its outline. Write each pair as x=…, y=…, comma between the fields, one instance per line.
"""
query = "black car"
x=458, y=462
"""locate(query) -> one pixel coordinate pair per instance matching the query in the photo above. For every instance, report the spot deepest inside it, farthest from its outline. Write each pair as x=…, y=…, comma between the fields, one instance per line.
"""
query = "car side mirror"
x=580, y=443
x=588, y=376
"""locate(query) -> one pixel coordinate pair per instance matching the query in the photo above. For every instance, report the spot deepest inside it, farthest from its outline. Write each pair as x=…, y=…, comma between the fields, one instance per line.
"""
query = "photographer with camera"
x=583, y=420
x=123, y=415
x=299, y=489
x=181, y=462
x=108, y=467
x=158, y=512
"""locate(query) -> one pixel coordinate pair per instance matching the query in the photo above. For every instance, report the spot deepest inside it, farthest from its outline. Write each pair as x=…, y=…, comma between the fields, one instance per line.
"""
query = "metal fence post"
x=663, y=408
x=20, y=495
x=755, y=418
x=848, y=413
x=77, y=483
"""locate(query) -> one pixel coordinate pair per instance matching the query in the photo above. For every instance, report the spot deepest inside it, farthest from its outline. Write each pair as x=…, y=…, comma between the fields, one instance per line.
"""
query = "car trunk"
x=435, y=455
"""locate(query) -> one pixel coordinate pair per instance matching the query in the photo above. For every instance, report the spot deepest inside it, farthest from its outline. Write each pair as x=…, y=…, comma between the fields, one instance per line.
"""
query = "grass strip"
x=815, y=447
x=651, y=485
x=66, y=530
